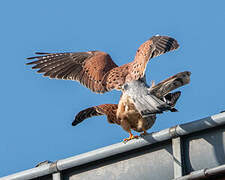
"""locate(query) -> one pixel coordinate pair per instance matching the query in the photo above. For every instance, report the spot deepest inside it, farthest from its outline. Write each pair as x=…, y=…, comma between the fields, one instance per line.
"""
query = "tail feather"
x=162, y=90
x=164, y=87
x=171, y=98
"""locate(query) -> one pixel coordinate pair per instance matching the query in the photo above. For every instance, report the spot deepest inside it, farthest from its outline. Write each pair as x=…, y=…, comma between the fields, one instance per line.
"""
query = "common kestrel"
x=125, y=113
x=97, y=71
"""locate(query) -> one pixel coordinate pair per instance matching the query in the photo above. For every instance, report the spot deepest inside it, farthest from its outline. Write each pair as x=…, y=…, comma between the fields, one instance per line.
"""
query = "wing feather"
x=105, y=109
x=84, y=114
x=51, y=65
x=96, y=70
x=88, y=68
x=135, y=70
x=151, y=48
x=70, y=73
x=49, y=70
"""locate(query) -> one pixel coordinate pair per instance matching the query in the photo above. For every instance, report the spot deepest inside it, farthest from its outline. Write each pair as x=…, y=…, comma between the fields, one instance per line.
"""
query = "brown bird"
x=125, y=113
x=96, y=70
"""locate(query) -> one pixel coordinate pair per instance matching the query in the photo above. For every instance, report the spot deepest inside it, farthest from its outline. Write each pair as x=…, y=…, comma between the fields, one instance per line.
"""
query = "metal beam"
x=204, y=173
x=56, y=176
x=180, y=130
x=177, y=157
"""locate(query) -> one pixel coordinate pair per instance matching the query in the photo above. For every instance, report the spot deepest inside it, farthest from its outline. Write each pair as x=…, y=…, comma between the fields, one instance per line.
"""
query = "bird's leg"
x=125, y=124
x=130, y=137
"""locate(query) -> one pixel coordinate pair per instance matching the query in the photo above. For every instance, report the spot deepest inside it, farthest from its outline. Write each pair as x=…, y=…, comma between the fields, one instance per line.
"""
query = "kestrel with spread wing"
x=125, y=113
x=96, y=70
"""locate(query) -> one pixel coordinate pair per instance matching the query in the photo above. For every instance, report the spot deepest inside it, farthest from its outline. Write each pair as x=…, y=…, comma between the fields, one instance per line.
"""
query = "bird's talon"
x=129, y=138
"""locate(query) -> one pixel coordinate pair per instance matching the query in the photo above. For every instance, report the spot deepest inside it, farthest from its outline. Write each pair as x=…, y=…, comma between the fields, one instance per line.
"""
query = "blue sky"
x=36, y=112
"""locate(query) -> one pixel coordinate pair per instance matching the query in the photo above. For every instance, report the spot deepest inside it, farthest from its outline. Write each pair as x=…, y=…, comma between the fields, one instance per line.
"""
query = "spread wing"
x=164, y=87
x=96, y=70
x=88, y=68
x=105, y=109
x=153, y=47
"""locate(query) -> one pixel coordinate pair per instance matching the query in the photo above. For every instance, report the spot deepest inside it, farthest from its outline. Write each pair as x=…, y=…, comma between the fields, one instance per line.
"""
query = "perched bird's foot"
x=130, y=137
x=144, y=133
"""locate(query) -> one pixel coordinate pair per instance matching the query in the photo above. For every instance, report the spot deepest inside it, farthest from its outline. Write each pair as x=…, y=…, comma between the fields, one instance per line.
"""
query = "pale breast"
x=136, y=121
x=127, y=109
x=143, y=124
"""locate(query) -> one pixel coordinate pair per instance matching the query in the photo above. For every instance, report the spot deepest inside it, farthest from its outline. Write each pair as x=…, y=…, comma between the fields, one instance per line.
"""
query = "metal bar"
x=56, y=176
x=166, y=134
x=202, y=124
x=31, y=173
x=204, y=173
x=184, y=129
x=177, y=157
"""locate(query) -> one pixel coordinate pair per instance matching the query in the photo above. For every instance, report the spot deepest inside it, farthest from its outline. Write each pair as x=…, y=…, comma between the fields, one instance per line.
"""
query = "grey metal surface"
x=156, y=164
x=56, y=176
x=143, y=165
x=177, y=157
x=203, y=149
x=204, y=173
x=32, y=173
x=163, y=135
